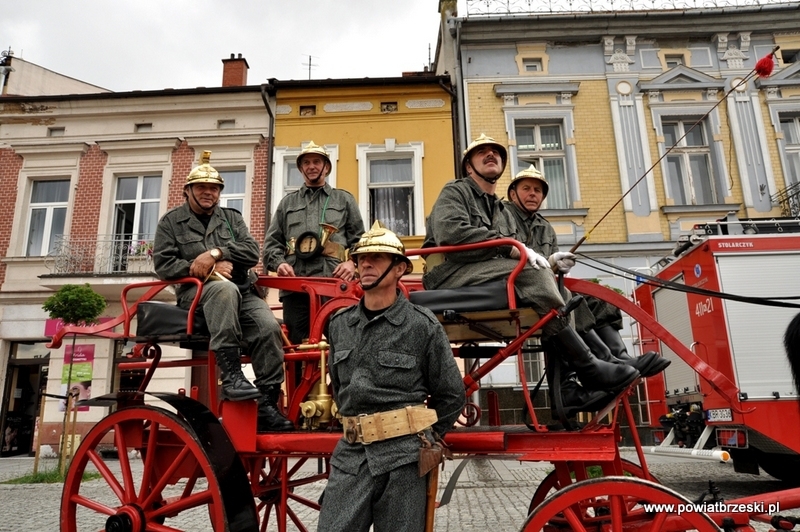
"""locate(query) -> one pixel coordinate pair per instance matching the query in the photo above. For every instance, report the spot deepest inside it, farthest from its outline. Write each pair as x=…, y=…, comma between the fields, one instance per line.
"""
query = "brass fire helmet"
x=319, y=150
x=205, y=173
x=379, y=239
x=480, y=141
x=528, y=173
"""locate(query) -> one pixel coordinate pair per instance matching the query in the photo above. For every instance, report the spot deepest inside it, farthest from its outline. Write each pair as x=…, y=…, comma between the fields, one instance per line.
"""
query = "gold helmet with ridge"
x=312, y=148
x=529, y=173
x=204, y=172
x=483, y=140
x=379, y=239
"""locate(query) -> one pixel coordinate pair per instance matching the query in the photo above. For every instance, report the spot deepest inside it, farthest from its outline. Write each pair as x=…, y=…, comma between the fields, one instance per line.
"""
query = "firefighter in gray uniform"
x=309, y=236
x=388, y=357
x=468, y=210
x=201, y=239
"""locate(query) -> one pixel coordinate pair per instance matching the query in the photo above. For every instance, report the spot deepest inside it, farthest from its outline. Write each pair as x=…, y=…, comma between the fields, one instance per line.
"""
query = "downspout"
x=462, y=115
x=268, y=90
x=454, y=126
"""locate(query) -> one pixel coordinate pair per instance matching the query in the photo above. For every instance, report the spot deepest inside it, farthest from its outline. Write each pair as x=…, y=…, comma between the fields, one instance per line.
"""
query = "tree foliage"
x=75, y=304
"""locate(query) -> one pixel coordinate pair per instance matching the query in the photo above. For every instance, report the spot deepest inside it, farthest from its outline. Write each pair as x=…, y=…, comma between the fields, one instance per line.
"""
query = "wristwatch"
x=215, y=253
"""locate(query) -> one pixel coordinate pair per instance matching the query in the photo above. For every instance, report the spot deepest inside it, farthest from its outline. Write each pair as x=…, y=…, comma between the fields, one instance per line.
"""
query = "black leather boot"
x=594, y=374
x=235, y=386
x=648, y=364
x=574, y=397
x=270, y=418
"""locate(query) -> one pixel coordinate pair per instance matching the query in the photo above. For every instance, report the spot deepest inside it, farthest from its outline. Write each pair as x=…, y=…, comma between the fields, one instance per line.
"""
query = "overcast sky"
x=126, y=45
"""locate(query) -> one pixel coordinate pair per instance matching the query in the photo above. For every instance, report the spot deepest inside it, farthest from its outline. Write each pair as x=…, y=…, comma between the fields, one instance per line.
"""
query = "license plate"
x=719, y=414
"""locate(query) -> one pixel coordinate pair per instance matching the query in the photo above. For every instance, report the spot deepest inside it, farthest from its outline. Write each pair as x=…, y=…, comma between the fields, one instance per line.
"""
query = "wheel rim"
x=551, y=483
x=614, y=504
x=171, y=487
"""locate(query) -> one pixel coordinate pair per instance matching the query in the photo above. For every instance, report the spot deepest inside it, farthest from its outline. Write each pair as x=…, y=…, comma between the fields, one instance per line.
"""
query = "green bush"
x=75, y=304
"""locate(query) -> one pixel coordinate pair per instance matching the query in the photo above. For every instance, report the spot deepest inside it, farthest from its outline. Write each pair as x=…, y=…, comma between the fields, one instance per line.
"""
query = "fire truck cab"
x=744, y=341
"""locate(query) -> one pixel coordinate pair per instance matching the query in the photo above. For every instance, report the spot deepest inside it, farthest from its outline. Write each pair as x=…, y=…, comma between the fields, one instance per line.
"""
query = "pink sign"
x=52, y=326
x=76, y=374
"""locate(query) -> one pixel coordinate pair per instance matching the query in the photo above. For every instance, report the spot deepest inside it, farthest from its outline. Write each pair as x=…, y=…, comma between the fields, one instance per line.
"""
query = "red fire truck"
x=742, y=340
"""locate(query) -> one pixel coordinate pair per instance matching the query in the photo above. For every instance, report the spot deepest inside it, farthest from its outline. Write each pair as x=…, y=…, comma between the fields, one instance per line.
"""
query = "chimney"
x=234, y=71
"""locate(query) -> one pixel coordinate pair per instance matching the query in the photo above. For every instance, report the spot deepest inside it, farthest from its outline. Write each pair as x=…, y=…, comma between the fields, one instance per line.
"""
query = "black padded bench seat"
x=158, y=321
x=485, y=304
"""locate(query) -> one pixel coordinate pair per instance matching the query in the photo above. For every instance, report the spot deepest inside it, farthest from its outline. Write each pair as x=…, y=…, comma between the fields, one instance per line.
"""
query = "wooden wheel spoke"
x=107, y=474
x=194, y=500
x=149, y=460
x=574, y=521
x=124, y=464
x=162, y=482
x=618, y=510
x=658, y=522
x=92, y=505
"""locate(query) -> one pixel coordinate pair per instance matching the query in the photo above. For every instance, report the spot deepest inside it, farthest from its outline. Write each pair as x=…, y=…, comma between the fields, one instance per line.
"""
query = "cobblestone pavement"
x=490, y=496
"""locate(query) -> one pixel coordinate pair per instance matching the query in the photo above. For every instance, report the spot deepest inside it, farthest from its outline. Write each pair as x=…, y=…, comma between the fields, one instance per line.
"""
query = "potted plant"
x=73, y=305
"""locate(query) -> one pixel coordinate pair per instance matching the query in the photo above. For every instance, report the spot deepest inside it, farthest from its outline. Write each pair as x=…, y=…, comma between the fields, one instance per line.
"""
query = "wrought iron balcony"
x=101, y=255
x=521, y=7
x=789, y=200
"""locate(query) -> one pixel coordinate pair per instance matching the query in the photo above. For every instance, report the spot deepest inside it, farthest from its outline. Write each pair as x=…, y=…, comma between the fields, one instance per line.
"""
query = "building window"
x=532, y=65
x=136, y=208
x=144, y=128
x=226, y=124
x=391, y=194
x=390, y=181
x=542, y=145
x=293, y=178
x=55, y=131
x=789, y=56
x=791, y=136
x=690, y=176
x=232, y=195
x=673, y=60
x=308, y=110
x=47, y=215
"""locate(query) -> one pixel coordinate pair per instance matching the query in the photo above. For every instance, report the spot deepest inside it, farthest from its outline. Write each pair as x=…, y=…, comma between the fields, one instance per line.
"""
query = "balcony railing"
x=522, y=7
x=789, y=200
x=101, y=255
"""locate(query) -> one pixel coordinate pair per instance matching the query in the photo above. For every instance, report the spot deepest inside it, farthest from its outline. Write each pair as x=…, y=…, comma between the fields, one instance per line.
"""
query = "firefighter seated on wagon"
x=467, y=211
x=201, y=239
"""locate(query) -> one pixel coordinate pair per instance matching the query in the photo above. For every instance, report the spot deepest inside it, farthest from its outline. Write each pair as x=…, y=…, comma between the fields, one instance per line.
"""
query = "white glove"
x=536, y=260
x=563, y=260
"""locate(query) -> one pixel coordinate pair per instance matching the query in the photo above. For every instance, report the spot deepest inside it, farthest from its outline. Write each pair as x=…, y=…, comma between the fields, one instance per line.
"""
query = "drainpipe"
x=268, y=90
x=462, y=114
x=454, y=106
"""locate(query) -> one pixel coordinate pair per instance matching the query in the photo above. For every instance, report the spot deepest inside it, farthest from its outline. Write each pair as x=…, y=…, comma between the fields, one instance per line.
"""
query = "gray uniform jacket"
x=303, y=210
x=181, y=237
x=463, y=214
x=397, y=359
x=534, y=231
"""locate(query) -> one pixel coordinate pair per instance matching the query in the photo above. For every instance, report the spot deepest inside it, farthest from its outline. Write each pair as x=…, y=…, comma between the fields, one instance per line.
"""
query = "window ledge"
x=701, y=209
x=564, y=213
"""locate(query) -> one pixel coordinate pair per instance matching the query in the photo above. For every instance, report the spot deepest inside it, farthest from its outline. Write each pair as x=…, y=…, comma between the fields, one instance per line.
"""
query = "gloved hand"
x=563, y=260
x=536, y=260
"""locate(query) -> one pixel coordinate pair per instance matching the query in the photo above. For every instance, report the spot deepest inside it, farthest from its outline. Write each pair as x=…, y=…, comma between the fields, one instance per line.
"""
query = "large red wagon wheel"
x=615, y=504
x=551, y=482
x=276, y=497
x=173, y=488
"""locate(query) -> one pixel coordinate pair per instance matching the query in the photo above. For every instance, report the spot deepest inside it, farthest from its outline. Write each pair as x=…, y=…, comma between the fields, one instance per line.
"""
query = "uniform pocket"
x=340, y=355
x=393, y=359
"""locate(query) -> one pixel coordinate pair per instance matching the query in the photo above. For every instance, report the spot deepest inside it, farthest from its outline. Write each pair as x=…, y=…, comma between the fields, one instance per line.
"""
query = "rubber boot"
x=235, y=385
x=648, y=364
x=270, y=418
x=594, y=374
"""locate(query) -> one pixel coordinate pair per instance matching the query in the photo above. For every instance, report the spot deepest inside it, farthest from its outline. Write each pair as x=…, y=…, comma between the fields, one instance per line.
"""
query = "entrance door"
x=26, y=384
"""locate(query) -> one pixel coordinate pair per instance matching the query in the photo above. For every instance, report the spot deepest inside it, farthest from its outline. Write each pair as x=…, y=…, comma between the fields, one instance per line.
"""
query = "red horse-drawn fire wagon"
x=204, y=458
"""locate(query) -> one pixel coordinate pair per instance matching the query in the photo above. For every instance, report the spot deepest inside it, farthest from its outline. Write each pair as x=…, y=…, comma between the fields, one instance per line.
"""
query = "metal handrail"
x=122, y=253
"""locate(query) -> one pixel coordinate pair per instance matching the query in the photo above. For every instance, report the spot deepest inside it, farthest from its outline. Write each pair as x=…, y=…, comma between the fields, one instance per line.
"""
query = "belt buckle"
x=352, y=430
